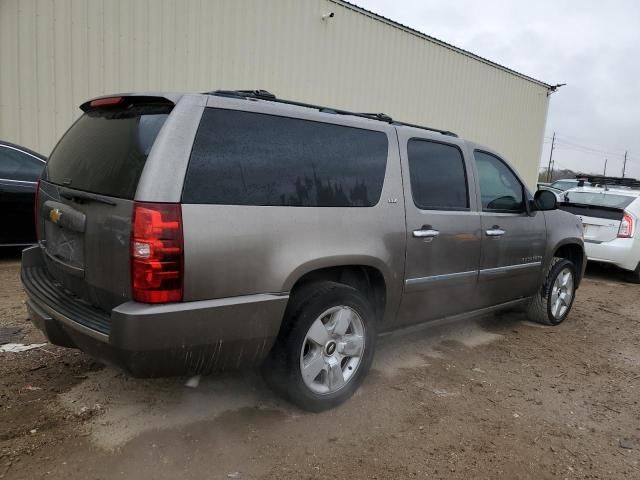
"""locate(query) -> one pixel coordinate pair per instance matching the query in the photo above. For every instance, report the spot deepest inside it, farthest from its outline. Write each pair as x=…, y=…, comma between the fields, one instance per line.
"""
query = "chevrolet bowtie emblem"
x=54, y=215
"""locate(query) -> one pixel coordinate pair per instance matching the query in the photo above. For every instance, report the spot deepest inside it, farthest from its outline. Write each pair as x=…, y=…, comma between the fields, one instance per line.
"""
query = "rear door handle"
x=426, y=232
x=495, y=231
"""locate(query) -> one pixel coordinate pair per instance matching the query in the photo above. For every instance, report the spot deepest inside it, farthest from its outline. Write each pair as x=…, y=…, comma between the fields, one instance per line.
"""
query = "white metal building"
x=54, y=54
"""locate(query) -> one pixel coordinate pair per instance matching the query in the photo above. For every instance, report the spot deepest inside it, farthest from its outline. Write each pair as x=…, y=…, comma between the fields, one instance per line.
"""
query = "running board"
x=454, y=318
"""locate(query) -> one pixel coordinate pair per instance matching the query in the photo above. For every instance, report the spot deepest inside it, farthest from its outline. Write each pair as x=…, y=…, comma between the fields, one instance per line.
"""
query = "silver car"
x=184, y=234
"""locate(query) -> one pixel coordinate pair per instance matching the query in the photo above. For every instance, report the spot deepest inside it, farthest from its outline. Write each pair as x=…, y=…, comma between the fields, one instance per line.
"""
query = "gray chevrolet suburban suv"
x=192, y=233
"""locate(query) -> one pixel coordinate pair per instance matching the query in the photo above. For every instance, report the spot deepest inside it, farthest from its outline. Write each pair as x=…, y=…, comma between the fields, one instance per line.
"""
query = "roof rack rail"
x=266, y=95
x=609, y=181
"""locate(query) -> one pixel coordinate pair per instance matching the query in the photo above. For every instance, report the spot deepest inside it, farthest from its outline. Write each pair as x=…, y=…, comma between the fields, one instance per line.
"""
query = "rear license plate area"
x=64, y=229
x=64, y=245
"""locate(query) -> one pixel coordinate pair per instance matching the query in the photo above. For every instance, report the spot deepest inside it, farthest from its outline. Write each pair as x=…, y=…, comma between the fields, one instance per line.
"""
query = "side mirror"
x=545, y=200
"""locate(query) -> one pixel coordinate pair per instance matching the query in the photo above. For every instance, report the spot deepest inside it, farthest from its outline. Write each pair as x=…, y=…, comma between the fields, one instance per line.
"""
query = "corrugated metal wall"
x=54, y=54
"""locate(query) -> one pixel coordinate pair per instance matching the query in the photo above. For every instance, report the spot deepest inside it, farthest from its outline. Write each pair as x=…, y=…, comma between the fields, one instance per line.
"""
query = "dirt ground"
x=494, y=398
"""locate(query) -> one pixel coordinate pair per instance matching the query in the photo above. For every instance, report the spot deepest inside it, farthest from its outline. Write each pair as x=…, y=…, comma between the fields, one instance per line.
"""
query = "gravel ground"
x=494, y=398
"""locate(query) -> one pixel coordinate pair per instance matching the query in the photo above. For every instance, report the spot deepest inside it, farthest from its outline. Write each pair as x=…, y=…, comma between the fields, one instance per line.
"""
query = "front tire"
x=552, y=304
x=325, y=347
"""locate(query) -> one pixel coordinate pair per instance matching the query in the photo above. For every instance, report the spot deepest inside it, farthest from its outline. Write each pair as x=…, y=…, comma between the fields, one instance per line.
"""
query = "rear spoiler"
x=597, y=211
x=128, y=99
x=613, y=181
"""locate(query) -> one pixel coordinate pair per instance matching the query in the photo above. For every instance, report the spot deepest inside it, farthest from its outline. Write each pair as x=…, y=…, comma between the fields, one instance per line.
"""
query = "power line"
x=565, y=142
x=586, y=148
x=587, y=152
x=582, y=142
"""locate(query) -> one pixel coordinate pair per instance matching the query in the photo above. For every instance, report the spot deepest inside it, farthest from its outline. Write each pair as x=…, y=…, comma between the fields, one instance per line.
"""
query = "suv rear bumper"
x=155, y=340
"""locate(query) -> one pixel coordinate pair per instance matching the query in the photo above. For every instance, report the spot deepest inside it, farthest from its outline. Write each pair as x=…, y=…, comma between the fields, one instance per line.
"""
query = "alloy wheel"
x=332, y=350
x=562, y=293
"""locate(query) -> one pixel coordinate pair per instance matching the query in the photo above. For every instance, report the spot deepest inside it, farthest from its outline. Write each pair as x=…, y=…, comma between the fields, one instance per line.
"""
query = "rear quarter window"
x=105, y=151
x=244, y=158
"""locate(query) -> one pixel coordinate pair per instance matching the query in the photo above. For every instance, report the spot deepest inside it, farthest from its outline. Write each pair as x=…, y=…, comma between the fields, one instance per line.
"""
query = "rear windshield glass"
x=105, y=151
x=566, y=184
x=243, y=158
x=600, y=199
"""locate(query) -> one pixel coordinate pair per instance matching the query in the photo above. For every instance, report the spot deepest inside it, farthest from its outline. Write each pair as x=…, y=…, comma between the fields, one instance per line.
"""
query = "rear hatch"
x=86, y=194
x=599, y=211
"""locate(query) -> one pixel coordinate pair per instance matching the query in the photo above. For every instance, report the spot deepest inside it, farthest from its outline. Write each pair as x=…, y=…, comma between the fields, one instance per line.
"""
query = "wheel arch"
x=574, y=252
x=364, y=275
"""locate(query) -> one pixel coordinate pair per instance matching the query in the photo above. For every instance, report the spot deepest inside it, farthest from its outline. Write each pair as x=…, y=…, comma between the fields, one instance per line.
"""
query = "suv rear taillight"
x=157, y=253
x=626, y=226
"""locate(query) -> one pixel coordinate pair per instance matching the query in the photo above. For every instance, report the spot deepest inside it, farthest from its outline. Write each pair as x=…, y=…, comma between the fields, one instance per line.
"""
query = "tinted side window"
x=438, y=178
x=243, y=158
x=16, y=165
x=499, y=188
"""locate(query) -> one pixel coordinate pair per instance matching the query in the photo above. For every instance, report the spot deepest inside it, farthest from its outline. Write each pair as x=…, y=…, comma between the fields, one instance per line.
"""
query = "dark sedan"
x=20, y=169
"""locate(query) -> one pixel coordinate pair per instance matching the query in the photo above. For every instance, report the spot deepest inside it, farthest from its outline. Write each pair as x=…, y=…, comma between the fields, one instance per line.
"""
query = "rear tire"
x=553, y=302
x=325, y=346
x=634, y=276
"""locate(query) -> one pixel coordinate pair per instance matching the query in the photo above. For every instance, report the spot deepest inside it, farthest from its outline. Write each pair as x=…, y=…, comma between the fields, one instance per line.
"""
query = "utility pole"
x=553, y=142
x=624, y=165
x=605, y=168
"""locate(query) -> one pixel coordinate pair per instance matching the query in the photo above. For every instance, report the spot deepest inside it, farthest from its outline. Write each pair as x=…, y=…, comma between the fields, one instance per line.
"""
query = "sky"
x=592, y=46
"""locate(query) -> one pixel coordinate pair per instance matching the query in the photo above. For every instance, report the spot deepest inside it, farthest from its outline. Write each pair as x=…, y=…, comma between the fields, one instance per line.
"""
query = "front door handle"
x=426, y=232
x=495, y=231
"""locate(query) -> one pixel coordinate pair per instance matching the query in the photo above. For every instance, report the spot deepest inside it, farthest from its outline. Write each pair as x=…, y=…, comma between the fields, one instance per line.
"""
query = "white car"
x=567, y=183
x=560, y=186
x=610, y=219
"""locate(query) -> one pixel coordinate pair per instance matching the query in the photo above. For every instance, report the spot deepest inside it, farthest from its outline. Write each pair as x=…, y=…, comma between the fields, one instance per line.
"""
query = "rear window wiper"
x=86, y=197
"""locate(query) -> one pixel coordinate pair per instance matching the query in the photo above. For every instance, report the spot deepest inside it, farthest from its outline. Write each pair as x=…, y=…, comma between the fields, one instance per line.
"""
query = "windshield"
x=566, y=184
x=600, y=199
x=105, y=151
x=563, y=185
